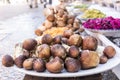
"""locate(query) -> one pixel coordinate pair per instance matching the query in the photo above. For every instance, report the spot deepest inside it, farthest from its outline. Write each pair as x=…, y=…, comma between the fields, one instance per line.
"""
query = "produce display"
x=61, y=47
x=108, y=23
x=93, y=13
x=71, y=53
x=57, y=21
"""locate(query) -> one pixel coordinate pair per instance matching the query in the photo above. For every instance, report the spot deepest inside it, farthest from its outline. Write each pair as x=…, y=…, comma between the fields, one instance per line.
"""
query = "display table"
x=108, y=75
x=92, y=77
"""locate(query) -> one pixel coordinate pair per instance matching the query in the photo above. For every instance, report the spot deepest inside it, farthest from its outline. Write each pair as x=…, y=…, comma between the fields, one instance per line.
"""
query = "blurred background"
x=10, y=8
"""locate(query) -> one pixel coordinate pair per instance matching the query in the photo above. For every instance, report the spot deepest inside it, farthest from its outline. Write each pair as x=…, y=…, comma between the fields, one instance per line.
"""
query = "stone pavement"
x=11, y=10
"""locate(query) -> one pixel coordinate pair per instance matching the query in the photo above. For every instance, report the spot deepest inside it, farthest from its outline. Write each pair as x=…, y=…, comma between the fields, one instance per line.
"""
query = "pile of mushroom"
x=70, y=52
x=59, y=17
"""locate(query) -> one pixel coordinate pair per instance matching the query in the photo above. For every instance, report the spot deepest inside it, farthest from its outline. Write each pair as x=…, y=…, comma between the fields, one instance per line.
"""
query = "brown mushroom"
x=7, y=61
x=19, y=61
x=47, y=39
x=89, y=59
x=64, y=40
x=29, y=44
x=51, y=17
x=58, y=50
x=76, y=25
x=43, y=51
x=75, y=40
x=28, y=63
x=103, y=59
x=72, y=65
x=39, y=65
x=69, y=26
x=70, y=21
x=89, y=43
x=55, y=65
x=73, y=51
x=57, y=39
x=109, y=51
x=67, y=33
x=38, y=32
x=60, y=12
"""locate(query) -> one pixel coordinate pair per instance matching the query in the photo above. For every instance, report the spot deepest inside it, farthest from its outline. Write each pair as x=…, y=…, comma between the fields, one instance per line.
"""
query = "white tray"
x=114, y=33
x=100, y=68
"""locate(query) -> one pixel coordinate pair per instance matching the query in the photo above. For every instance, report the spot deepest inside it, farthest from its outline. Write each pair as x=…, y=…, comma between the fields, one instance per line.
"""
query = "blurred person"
x=43, y=1
x=47, y=3
x=33, y=3
x=27, y=1
x=8, y=1
x=50, y=1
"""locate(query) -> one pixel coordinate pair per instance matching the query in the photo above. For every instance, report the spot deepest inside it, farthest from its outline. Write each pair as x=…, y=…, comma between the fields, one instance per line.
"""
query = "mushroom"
x=90, y=43
x=7, y=61
x=73, y=51
x=19, y=61
x=75, y=40
x=58, y=50
x=72, y=65
x=55, y=65
x=89, y=59
x=47, y=39
x=29, y=44
x=39, y=65
x=28, y=63
x=43, y=51
x=109, y=51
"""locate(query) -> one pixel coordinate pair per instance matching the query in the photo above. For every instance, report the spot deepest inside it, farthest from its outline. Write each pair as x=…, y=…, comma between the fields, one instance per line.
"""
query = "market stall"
x=65, y=47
